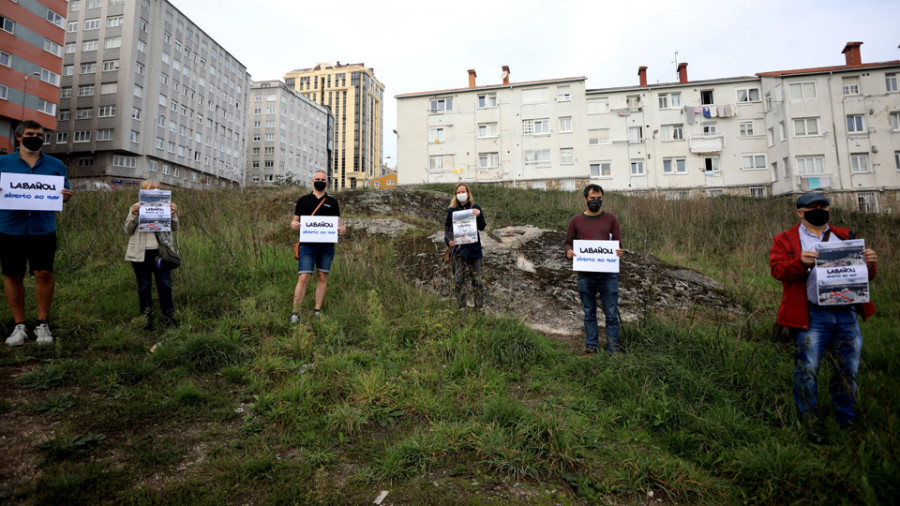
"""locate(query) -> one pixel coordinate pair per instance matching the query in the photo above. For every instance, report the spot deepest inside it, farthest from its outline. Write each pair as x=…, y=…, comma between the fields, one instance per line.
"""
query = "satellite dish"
x=504, y=74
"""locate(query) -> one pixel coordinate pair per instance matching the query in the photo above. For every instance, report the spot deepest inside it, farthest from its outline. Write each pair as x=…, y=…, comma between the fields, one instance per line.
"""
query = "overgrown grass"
x=391, y=390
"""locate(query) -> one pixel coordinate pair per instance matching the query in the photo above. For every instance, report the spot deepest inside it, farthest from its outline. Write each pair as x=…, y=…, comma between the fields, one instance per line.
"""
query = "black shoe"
x=148, y=325
x=171, y=322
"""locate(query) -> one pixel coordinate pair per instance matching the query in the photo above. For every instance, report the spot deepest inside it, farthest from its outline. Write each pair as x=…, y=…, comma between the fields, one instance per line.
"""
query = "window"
x=46, y=107
x=672, y=132
x=537, y=157
x=167, y=37
x=165, y=169
x=70, y=48
x=535, y=95
x=68, y=70
x=105, y=134
x=112, y=42
x=601, y=169
x=52, y=47
x=538, y=185
x=706, y=97
x=747, y=95
x=65, y=115
x=165, y=57
x=850, y=85
x=807, y=165
x=866, y=203
x=158, y=142
x=113, y=88
x=895, y=120
x=598, y=136
x=114, y=21
x=598, y=105
x=805, y=127
x=91, y=24
x=565, y=124
x=567, y=156
x=890, y=82
x=753, y=162
x=81, y=136
x=72, y=27
x=90, y=45
x=7, y=24
x=436, y=162
x=805, y=90
x=94, y=4
x=49, y=77
x=170, y=147
x=62, y=137
x=135, y=136
x=563, y=94
x=86, y=90
x=488, y=160
x=88, y=68
x=859, y=163
x=270, y=137
x=768, y=106
x=709, y=128
x=55, y=18
x=487, y=130
x=633, y=102
x=758, y=191
x=110, y=65
x=782, y=131
x=715, y=192
x=106, y=111
x=745, y=128
x=441, y=104
x=637, y=167
x=674, y=166
x=669, y=100
x=135, y=113
x=65, y=92
x=856, y=124
x=535, y=127
x=635, y=134
x=897, y=159
x=141, y=47
x=567, y=185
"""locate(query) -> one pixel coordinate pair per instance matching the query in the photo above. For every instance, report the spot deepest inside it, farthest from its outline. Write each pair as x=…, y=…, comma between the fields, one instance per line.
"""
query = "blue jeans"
x=836, y=332
x=145, y=271
x=608, y=286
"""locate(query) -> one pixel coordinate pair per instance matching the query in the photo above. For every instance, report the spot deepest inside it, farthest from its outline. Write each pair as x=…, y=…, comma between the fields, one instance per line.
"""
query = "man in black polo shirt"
x=314, y=256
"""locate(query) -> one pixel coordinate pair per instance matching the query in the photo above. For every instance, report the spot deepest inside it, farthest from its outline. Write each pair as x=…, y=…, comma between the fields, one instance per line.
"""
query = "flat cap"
x=809, y=199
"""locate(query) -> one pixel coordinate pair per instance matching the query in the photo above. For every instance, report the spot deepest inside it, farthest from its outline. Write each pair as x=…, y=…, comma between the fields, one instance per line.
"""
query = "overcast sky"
x=421, y=46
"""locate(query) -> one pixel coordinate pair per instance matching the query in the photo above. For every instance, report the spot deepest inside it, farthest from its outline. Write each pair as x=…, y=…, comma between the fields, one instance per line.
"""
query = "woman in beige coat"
x=143, y=253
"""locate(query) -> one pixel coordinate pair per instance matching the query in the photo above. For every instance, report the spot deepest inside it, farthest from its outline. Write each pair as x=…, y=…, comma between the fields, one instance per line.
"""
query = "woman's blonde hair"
x=148, y=183
x=454, y=202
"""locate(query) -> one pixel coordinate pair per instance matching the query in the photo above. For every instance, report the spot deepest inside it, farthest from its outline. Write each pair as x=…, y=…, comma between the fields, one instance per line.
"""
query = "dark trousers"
x=144, y=271
x=471, y=268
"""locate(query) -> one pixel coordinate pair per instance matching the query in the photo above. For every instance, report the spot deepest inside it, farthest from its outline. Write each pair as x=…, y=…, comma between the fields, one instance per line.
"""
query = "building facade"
x=356, y=99
x=836, y=129
x=146, y=93
x=289, y=136
x=31, y=40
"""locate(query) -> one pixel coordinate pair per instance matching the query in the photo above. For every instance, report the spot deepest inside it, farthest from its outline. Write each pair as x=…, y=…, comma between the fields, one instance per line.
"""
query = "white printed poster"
x=31, y=192
x=842, y=277
x=595, y=256
x=155, y=214
x=319, y=229
x=465, y=227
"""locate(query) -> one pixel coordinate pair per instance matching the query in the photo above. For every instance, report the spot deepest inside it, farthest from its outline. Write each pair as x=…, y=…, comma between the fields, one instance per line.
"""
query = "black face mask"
x=33, y=143
x=816, y=217
x=594, y=204
x=319, y=185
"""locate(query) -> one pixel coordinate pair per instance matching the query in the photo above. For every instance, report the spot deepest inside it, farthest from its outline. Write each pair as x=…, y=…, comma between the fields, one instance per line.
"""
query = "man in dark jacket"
x=817, y=329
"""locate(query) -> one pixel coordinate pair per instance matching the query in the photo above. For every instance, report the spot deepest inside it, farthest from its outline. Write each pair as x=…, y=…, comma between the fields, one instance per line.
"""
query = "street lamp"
x=25, y=92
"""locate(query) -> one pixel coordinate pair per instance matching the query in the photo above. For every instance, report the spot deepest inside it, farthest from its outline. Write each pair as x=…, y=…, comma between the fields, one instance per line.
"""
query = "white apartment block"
x=836, y=129
x=145, y=93
x=290, y=136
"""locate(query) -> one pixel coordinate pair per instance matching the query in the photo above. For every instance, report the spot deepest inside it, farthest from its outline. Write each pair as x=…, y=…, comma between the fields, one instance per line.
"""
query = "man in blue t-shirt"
x=29, y=237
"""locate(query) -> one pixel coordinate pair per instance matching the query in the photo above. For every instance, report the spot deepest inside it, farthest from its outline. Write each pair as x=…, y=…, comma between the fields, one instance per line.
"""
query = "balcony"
x=706, y=143
x=810, y=182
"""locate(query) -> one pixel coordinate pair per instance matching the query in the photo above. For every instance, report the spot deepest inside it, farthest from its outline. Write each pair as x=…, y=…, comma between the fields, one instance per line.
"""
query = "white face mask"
x=462, y=197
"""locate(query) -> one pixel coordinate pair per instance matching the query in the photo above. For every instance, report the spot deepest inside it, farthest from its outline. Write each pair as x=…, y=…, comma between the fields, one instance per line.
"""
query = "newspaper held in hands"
x=155, y=214
x=465, y=227
x=842, y=277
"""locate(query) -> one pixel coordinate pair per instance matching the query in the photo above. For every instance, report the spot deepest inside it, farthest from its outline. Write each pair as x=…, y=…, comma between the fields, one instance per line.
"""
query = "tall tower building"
x=31, y=38
x=145, y=93
x=355, y=97
x=290, y=136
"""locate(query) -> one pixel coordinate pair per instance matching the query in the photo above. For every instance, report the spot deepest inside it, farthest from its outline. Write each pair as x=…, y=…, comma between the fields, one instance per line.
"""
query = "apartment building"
x=31, y=39
x=145, y=93
x=836, y=129
x=356, y=99
x=290, y=136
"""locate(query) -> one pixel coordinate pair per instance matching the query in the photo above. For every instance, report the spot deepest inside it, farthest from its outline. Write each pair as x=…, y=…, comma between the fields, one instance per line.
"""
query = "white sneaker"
x=295, y=319
x=43, y=335
x=18, y=336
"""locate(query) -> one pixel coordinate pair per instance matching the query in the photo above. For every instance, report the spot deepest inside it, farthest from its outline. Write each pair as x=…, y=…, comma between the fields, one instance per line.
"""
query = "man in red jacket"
x=817, y=329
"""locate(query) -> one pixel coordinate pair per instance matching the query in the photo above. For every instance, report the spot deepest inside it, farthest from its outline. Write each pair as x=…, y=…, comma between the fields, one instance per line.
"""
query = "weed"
x=55, y=404
x=66, y=446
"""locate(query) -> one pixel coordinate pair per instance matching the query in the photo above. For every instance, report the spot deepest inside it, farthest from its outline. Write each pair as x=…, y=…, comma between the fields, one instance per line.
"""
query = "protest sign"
x=842, y=277
x=319, y=229
x=155, y=214
x=31, y=192
x=465, y=227
x=595, y=256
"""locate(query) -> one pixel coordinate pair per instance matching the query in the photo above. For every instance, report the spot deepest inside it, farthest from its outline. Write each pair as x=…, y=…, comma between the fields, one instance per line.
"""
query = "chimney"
x=505, y=74
x=472, y=77
x=682, y=73
x=642, y=71
x=851, y=54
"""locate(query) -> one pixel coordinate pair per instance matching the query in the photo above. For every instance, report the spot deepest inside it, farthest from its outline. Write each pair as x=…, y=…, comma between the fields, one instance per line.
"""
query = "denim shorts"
x=316, y=256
